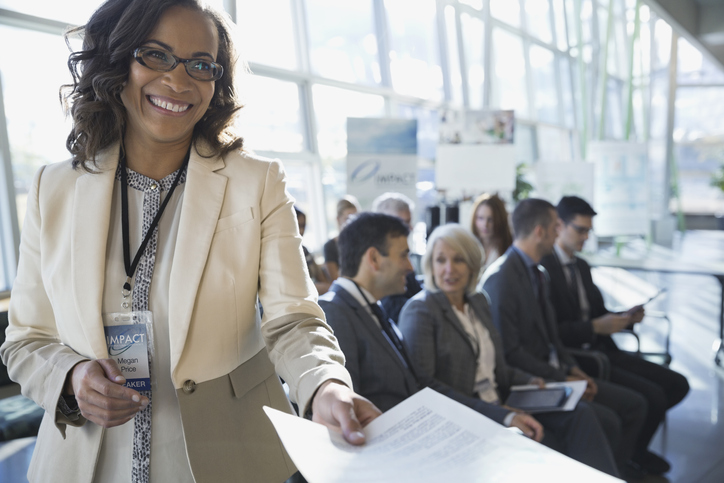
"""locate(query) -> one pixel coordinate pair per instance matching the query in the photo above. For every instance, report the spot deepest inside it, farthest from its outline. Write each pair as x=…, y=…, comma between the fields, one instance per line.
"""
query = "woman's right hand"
x=97, y=387
x=529, y=425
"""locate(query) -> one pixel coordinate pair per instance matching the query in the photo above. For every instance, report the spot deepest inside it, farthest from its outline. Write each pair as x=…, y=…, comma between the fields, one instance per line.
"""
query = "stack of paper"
x=426, y=438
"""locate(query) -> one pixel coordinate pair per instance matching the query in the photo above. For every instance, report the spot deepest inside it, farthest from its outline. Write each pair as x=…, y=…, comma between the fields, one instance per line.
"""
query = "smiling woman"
x=101, y=118
x=161, y=226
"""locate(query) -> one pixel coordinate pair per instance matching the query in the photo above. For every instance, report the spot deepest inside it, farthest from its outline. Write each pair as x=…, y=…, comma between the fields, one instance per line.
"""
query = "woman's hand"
x=577, y=374
x=101, y=398
x=537, y=381
x=529, y=425
x=338, y=407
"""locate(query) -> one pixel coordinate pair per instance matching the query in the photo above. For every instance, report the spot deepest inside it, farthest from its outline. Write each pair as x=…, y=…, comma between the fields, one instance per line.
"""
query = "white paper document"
x=577, y=390
x=426, y=438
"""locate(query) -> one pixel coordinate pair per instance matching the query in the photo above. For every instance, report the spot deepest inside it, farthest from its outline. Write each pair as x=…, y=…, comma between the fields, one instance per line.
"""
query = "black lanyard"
x=131, y=266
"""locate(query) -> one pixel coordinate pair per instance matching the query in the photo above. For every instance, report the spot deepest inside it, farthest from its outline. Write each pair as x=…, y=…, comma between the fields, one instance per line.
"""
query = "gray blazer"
x=440, y=347
x=528, y=331
x=377, y=371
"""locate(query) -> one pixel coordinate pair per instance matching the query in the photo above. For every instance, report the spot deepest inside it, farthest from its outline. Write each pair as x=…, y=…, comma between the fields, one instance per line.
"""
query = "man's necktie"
x=393, y=336
x=553, y=353
x=573, y=288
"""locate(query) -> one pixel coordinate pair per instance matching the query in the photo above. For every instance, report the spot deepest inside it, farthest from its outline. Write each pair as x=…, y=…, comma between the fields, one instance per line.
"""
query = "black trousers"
x=622, y=413
x=579, y=435
x=661, y=387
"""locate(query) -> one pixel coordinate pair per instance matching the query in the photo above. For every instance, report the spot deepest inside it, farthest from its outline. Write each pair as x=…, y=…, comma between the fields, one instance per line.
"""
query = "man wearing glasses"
x=584, y=321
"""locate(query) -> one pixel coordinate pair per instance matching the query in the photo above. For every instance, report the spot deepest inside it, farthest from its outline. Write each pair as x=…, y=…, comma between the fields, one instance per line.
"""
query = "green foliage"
x=717, y=178
x=522, y=187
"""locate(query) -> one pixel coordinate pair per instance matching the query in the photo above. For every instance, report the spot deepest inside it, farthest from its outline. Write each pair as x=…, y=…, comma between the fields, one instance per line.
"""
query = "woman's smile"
x=167, y=105
x=164, y=106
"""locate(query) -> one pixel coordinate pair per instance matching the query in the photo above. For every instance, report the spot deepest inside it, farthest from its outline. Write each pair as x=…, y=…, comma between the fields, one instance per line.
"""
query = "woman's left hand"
x=338, y=407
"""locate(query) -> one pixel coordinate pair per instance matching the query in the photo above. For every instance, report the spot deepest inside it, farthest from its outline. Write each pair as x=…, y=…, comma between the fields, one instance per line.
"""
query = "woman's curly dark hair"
x=100, y=69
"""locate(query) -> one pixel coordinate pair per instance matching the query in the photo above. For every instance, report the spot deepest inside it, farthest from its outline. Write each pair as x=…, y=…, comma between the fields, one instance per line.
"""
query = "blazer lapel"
x=365, y=320
x=203, y=198
x=89, y=236
x=452, y=319
x=538, y=315
x=560, y=283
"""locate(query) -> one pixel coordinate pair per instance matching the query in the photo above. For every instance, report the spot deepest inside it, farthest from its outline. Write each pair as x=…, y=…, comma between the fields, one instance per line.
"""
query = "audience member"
x=523, y=314
x=583, y=320
x=450, y=336
x=374, y=262
x=399, y=205
x=489, y=224
x=346, y=207
x=316, y=273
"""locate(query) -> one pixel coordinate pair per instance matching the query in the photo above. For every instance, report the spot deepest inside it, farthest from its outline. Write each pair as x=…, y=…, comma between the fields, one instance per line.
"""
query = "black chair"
x=19, y=416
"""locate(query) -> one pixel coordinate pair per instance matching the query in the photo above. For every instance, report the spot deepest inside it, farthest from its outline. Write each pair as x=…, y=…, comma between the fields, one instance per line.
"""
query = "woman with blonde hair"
x=489, y=224
x=449, y=334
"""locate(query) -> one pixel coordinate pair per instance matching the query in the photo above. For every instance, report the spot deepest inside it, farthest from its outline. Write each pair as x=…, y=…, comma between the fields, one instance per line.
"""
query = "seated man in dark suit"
x=522, y=312
x=374, y=261
x=399, y=205
x=583, y=320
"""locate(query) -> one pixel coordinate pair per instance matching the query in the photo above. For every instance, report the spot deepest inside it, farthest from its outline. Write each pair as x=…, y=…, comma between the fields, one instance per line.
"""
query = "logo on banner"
x=371, y=170
x=365, y=171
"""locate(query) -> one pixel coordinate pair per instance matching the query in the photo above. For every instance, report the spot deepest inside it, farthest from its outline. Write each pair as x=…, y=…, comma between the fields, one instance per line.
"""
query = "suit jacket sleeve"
x=300, y=344
x=32, y=351
x=417, y=325
x=338, y=318
x=505, y=307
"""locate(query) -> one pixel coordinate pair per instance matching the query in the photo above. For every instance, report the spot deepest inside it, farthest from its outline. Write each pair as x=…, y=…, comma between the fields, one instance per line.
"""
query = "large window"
x=473, y=30
x=342, y=41
x=510, y=87
x=564, y=66
x=272, y=115
x=37, y=127
x=543, y=69
x=415, y=48
x=267, y=33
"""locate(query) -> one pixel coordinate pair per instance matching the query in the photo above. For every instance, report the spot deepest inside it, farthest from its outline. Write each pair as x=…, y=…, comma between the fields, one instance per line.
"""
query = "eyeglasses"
x=163, y=61
x=581, y=230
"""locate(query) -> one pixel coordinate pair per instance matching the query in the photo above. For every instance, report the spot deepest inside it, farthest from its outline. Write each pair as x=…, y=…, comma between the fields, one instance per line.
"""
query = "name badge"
x=128, y=340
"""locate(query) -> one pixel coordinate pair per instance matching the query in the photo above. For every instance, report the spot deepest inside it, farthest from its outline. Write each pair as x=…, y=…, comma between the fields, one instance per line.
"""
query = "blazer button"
x=189, y=386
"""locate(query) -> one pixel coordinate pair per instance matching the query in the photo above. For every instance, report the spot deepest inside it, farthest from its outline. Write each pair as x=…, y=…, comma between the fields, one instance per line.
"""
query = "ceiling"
x=700, y=21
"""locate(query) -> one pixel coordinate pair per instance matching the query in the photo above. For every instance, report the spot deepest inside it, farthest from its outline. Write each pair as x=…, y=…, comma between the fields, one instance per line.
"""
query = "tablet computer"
x=538, y=400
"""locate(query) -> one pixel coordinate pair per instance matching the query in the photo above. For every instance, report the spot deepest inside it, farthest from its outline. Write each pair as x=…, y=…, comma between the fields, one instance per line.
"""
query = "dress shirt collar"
x=528, y=261
x=354, y=290
x=532, y=268
x=563, y=256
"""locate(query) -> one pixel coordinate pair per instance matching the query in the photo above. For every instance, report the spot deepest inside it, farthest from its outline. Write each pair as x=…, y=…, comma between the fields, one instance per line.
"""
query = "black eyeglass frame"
x=581, y=230
x=217, y=73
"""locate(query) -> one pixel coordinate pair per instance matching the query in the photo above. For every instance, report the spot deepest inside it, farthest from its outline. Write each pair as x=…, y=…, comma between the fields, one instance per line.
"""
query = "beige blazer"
x=237, y=239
